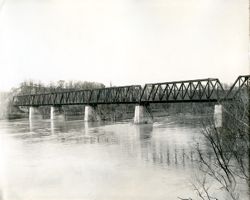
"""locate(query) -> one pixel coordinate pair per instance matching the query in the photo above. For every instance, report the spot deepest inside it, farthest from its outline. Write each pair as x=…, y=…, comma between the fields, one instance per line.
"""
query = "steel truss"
x=241, y=84
x=200, y=90
x=112, y=95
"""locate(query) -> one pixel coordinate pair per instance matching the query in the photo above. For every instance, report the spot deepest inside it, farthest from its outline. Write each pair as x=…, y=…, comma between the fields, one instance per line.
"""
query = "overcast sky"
x=122, y=41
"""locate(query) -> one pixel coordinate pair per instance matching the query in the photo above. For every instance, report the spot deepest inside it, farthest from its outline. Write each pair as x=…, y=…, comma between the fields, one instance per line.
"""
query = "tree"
x=226, y=159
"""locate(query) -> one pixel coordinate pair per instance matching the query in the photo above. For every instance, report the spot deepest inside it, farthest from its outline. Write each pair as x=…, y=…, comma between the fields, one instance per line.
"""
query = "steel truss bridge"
x=200, y=90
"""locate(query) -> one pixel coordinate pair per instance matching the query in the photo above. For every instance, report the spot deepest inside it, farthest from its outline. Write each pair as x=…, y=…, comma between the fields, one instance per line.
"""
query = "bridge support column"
x=34, y=113
x=142, y=116
x=218, y=116
x=56, y=113
x=90, y=114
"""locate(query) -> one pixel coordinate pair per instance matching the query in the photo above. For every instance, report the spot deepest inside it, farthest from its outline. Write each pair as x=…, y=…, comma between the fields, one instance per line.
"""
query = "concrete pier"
x=56, y=113
x=141, y=115
x=218, y=116
x=90, y=114
x=34, y=113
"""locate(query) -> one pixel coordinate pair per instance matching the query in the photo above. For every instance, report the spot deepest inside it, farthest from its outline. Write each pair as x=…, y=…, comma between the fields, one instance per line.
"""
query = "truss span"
x=112, y=95
x=199, y=90
x=202, y=90
x=239, y=87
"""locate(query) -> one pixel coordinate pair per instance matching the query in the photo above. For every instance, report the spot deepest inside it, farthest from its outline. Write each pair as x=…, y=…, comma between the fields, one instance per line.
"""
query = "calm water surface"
x=98, y=161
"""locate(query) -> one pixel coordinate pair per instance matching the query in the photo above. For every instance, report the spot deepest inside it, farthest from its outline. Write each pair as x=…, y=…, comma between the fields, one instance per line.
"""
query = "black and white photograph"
x=124, y=100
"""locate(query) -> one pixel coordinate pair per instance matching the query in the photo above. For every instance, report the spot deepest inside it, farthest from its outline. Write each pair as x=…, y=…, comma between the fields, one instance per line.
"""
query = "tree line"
x=32, y=87
x=7, y=109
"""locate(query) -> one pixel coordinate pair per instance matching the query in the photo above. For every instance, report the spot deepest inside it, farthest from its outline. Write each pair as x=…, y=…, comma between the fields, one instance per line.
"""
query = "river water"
x=99, y=161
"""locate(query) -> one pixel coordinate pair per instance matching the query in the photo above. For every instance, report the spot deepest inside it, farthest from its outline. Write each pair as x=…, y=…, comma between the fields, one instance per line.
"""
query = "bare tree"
x=226, y=159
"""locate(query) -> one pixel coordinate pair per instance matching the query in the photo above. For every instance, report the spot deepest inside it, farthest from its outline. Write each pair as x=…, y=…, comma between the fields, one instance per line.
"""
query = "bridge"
x=199, y=90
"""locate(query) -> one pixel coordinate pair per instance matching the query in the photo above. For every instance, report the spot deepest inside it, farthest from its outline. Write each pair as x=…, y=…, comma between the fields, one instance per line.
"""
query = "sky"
x=122, y=42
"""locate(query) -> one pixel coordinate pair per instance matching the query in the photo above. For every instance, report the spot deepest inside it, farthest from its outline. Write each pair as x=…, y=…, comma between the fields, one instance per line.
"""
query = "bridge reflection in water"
x=144, y=142
x=101, y=160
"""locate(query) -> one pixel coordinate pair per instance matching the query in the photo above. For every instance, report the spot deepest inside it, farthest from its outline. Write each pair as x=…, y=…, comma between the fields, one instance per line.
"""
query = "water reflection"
x=145, y=142
x=31, y=125
x=52, y=127
x=106, y=159
x=144, y=131
x=159, y=151
x=86, y=128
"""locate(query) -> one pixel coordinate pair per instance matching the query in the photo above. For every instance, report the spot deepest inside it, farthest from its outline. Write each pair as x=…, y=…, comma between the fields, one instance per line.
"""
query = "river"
x=62, y=160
